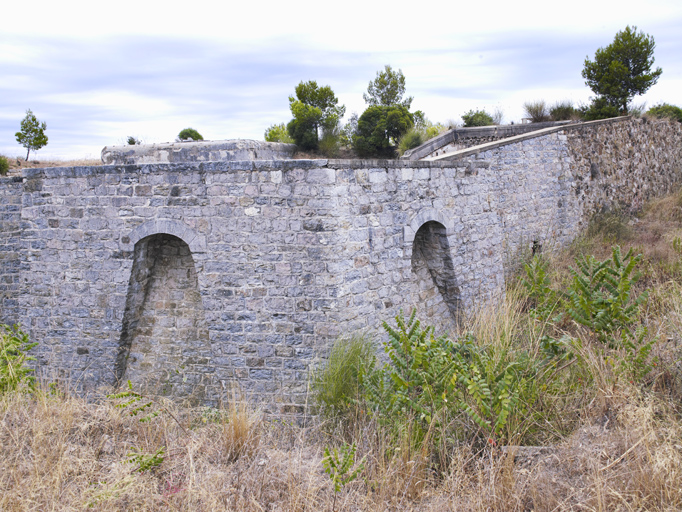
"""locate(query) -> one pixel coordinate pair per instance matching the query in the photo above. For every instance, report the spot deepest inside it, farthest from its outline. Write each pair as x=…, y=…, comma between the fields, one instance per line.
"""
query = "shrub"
x=278, y=133
x=133, y=141
x=4, y=165
x=536, y=110
x=664, y=110
x=14, y=346
x=477, y=118
x=599, y=295
x=189, y=134
x=330, y=143
x=563, y=111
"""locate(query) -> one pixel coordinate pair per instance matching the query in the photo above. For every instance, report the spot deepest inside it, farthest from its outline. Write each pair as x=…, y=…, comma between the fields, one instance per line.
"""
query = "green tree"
x=189, y=134
x=387, y=90
x=32, y=135
x=622, y=70
x=278, y=133
x=379, y=129
x=478, y=118
x=131, y=140
x=315, y=109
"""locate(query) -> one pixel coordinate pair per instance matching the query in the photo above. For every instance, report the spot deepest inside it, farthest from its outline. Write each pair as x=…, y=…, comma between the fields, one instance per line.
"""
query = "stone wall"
x=11, y=251
x=197, y=276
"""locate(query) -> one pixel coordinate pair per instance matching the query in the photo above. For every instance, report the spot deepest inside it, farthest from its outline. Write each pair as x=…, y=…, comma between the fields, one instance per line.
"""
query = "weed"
x=341, y=468
x=145, y=461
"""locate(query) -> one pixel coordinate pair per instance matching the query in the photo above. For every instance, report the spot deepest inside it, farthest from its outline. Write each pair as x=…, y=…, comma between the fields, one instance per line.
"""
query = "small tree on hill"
x=189, y=134
x=387, y=90
x=32, y=135
x=622, y=70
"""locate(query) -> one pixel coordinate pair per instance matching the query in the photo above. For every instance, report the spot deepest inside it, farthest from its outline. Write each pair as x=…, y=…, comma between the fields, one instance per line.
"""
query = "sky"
x=97, y=72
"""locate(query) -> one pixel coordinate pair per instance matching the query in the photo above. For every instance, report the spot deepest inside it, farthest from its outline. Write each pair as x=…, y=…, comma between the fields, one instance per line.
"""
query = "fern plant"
x=14, y=372
x=493, y=386
x=415, y=383
x=600, y=294
x=341, y=468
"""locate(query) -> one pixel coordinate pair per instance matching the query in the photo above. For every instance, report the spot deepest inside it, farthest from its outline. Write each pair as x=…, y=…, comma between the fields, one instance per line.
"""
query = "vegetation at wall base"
x=564, y=397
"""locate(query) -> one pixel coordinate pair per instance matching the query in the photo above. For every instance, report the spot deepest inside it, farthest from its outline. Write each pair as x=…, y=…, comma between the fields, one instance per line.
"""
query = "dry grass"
x=18, y=163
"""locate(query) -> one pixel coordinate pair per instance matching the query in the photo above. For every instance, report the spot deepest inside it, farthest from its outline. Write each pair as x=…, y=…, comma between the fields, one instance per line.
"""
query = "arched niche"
x=164, y=345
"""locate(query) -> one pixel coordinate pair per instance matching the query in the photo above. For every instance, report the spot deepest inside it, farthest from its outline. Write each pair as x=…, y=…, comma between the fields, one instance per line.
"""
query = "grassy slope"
x=611, y=444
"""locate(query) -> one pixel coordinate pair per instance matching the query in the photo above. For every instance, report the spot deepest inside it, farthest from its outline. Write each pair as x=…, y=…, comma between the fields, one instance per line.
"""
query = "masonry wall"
x=11, y=190
x=211, y=274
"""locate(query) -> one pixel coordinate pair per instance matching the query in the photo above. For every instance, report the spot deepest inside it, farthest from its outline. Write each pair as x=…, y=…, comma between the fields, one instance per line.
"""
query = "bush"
x=563, y=111
x=664, y=110
x=600, y=108
x=189, y=134
x=379, y=129
x=133, y=141
x=330, y=143
x=477, y=118
x=536, y=110
x=4, y=165
x=278, y=133
x=14, y=346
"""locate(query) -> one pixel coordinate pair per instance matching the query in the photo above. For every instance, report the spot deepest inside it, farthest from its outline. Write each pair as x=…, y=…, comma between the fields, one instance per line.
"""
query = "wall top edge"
x=231, y=166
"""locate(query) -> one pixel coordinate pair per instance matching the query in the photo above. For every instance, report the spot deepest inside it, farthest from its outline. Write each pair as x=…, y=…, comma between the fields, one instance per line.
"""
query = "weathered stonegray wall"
x=11, y=251
x=200, y=275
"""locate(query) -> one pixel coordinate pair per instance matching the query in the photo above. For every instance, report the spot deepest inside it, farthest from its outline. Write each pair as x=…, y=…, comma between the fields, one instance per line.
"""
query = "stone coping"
x=463, y=153
x=243, y=165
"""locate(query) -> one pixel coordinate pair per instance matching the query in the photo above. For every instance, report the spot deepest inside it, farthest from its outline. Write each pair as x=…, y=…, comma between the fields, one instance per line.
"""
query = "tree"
x=131, y=140
x=278, y=133
x=315, y=109
x=32, y=135
x=478, y=118
x=379, y=128
x=189, y=134
x=387, y=90
x=622, y=70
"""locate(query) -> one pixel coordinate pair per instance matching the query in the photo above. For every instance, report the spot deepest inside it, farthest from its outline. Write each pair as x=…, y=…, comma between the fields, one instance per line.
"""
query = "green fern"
x=600, y=294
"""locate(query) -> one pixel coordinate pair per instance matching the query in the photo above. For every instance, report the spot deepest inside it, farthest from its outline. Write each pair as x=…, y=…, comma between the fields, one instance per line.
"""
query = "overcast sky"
x=97, y=72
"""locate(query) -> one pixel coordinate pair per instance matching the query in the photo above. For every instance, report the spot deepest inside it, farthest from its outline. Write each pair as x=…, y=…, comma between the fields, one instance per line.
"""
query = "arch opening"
x=435, y=273
x=164, y=346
